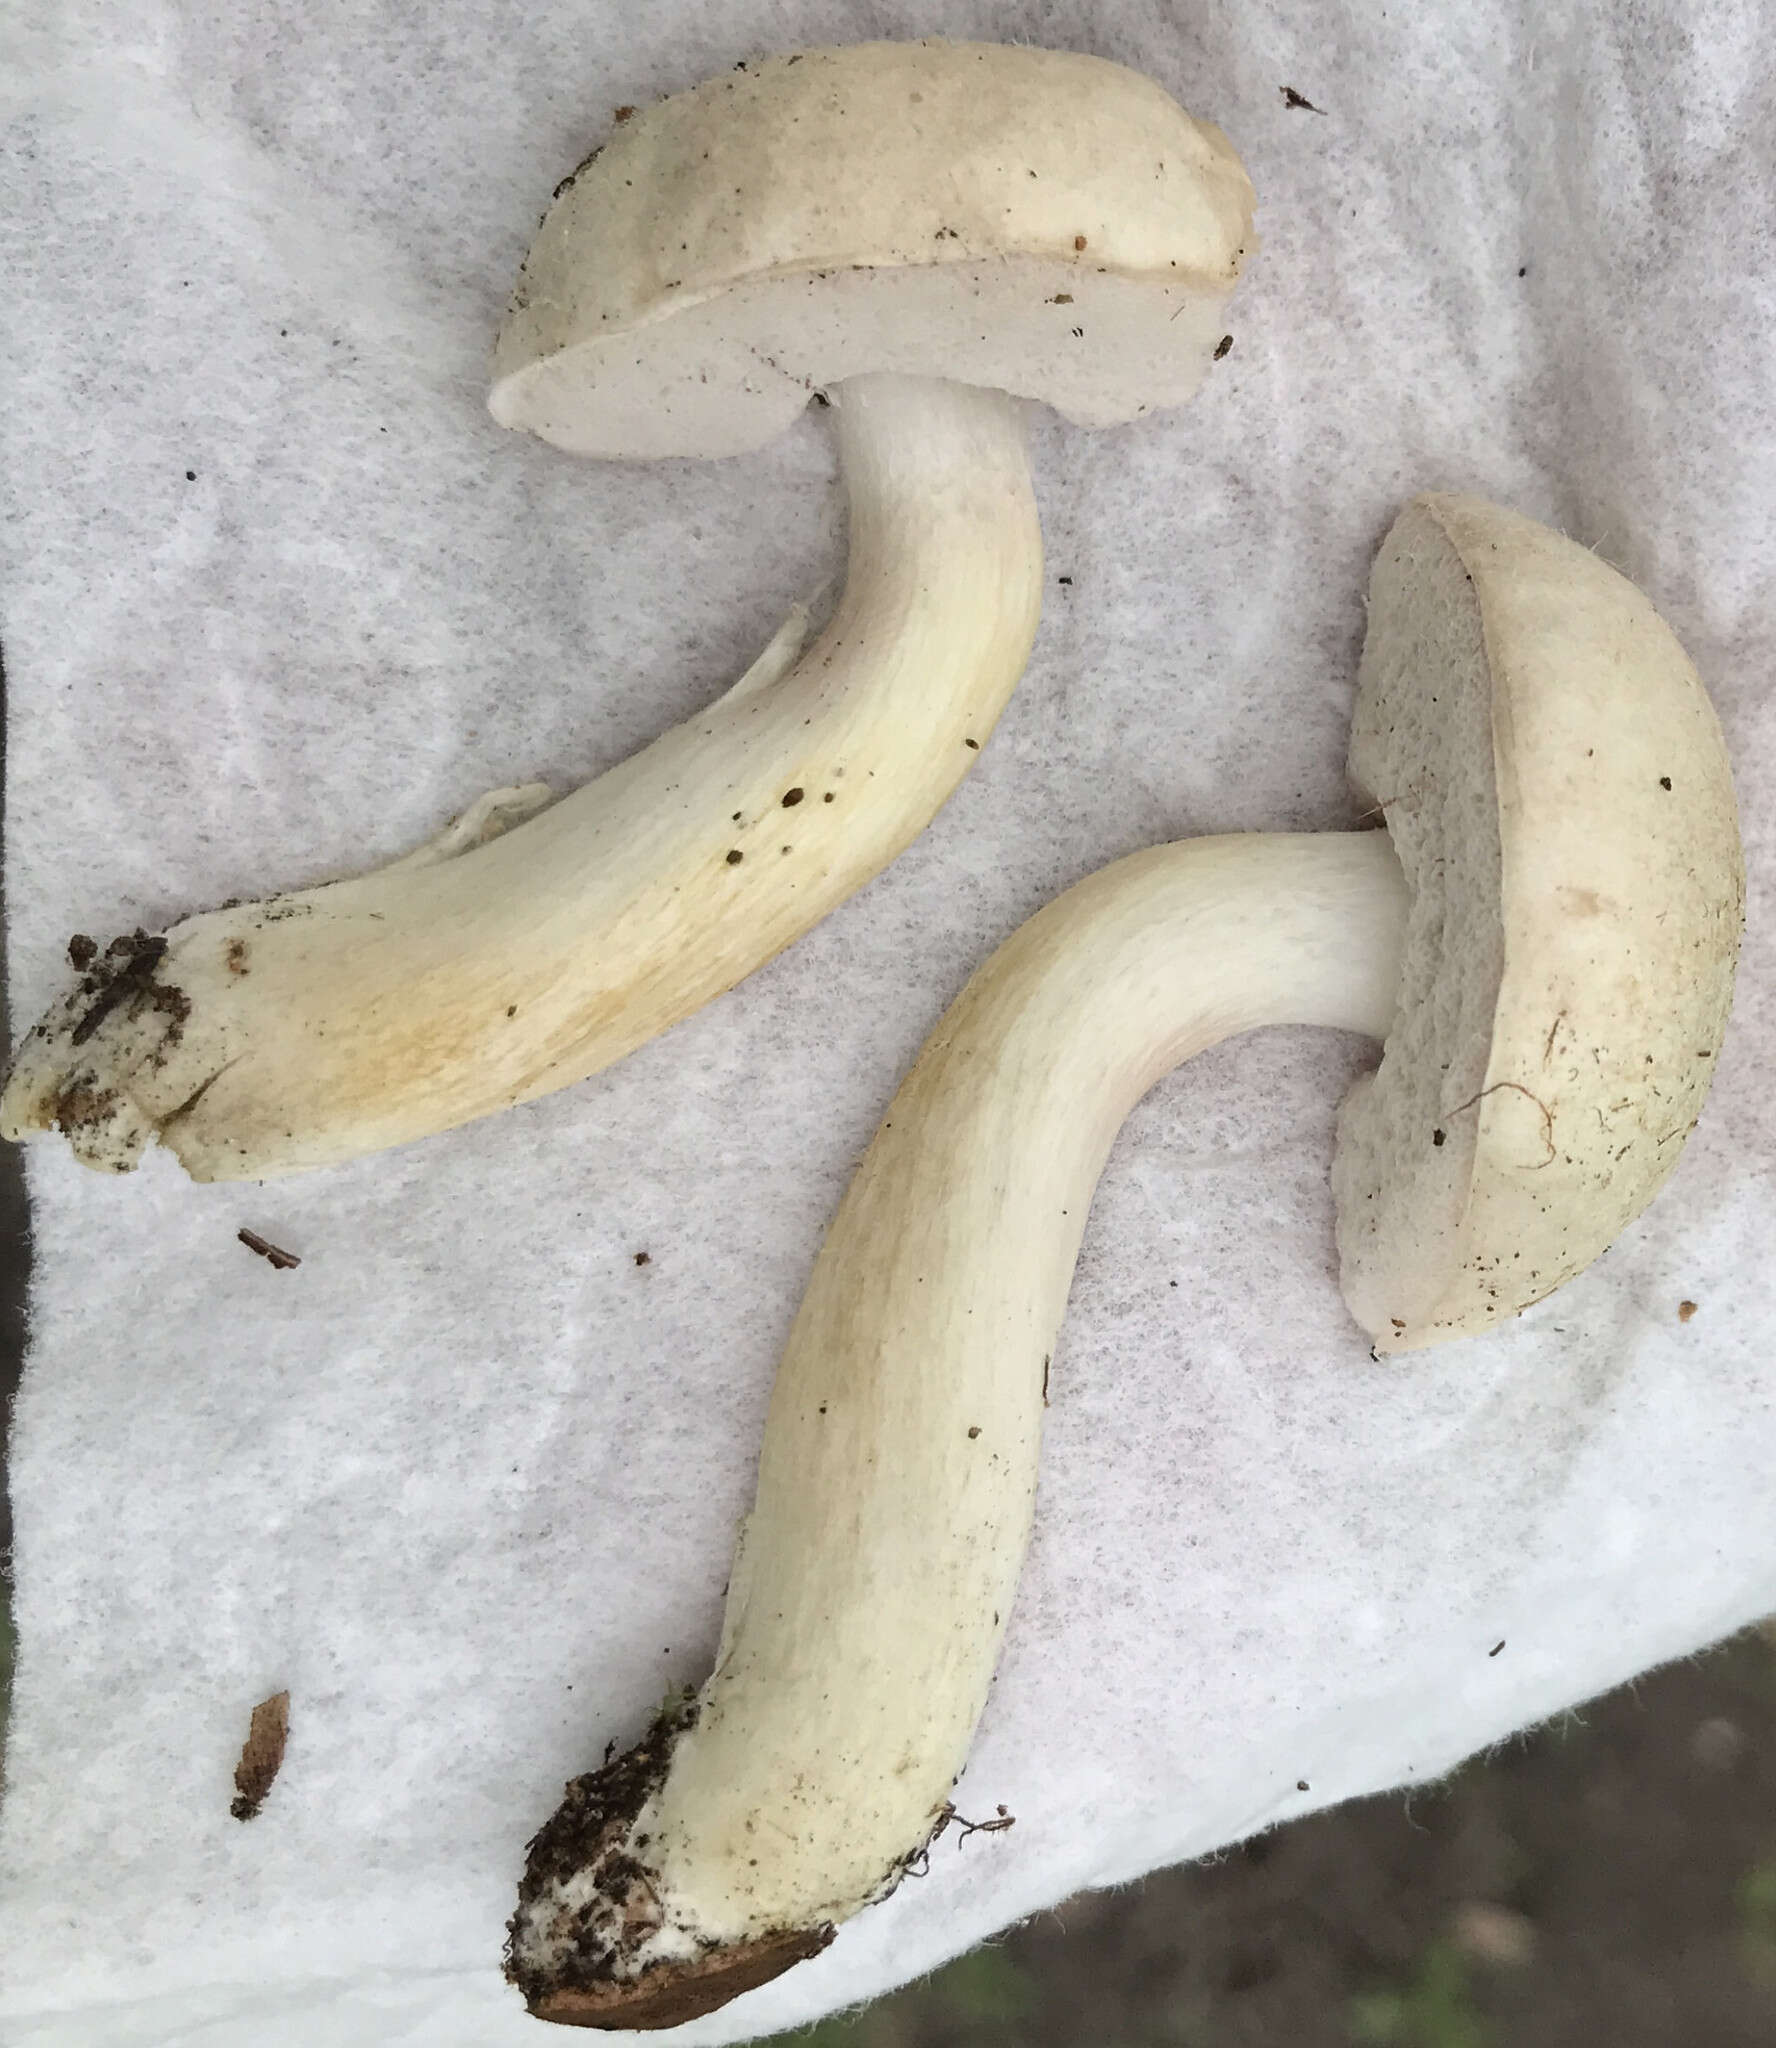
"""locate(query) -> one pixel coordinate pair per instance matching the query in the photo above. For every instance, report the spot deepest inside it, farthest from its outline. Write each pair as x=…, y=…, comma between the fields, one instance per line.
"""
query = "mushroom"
x=1544, y=938
x=926, y=233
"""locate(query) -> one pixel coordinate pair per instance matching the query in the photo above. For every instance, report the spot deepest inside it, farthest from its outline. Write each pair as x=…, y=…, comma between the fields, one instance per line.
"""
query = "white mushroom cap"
x=1036, y=221
x=1555, y=783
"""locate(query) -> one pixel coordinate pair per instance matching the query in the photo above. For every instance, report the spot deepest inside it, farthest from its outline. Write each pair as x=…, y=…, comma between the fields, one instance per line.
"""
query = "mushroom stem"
x=273, y=1037
x=898, y=1473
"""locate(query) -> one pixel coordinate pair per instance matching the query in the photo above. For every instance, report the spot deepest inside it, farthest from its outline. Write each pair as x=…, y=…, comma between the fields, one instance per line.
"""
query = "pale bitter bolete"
x=1544, y=937
x=913, y=230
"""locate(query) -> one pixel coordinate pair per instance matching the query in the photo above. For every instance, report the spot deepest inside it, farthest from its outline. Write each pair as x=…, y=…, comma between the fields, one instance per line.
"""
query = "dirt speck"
x=126, y=975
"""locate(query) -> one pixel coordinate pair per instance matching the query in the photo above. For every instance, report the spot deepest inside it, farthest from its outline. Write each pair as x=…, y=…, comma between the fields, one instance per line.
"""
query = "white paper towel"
x=279, y=598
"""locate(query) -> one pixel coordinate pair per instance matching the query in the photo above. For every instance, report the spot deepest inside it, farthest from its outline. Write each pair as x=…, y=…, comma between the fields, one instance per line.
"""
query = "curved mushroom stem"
x=274, y=1037
x=898, y=1474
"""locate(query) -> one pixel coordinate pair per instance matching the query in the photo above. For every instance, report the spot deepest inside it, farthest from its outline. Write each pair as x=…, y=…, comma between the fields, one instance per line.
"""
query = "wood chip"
x=261, y=1755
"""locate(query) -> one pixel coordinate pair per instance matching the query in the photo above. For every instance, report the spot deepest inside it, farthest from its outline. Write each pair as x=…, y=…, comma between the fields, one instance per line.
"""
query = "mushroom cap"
x=1556, y=786
x=1037, y=221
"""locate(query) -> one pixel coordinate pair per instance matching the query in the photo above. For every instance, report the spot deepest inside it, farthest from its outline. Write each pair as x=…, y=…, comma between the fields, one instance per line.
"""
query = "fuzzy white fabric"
x=279, y=597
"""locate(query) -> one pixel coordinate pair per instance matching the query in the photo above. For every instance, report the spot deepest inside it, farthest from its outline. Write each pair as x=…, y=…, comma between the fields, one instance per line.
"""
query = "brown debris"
x=124, y=974
x=262, y=1755
x=280, y=1259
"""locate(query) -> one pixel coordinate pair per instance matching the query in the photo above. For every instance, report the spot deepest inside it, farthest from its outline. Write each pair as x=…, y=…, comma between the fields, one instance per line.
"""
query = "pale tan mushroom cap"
x=1556, y=785
x=1032, y=220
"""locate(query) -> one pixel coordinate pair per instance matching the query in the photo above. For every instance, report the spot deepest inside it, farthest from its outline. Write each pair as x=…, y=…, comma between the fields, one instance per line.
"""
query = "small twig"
x=970, y=1827
x=280, y=1259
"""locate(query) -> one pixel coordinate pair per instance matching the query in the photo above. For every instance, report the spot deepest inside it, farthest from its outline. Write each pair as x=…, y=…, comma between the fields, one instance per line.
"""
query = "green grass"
x=1433, y=2009
x=984, y=1991
x=1754, y=1902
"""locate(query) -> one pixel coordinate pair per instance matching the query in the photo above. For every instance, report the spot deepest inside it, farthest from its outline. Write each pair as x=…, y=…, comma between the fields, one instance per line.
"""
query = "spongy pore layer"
x=1556, y=785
